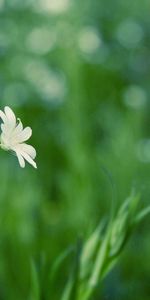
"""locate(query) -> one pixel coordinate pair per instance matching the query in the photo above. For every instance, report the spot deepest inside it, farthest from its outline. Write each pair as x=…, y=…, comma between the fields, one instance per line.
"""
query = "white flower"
x=13, y=137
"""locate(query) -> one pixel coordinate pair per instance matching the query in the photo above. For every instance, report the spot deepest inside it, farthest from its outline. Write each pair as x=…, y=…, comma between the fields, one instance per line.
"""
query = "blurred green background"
x=77, y=72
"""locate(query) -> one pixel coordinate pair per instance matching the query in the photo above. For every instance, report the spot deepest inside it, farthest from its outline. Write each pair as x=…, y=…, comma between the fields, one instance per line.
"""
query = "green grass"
x=84, y=90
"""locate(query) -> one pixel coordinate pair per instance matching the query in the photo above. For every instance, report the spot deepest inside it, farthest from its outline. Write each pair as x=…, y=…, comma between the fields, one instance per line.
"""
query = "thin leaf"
x=35, y=286
x=98, y=266
x=59, y=261
x=141, y=215
x=71, y=289
x=109, y=266
x=89, y=250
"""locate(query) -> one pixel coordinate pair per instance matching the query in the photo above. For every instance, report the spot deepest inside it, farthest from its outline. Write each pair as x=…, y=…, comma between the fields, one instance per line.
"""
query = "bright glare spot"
x=143, y=151
x=41, y=40
x=54, y=88
x=129, y=34
x=135, y=97
x=89, y=40
x=49, y=84
x=53, y=6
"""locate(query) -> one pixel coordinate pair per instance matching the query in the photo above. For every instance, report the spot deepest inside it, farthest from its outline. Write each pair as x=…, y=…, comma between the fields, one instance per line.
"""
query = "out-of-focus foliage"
x=101, y=252
x=77, y=72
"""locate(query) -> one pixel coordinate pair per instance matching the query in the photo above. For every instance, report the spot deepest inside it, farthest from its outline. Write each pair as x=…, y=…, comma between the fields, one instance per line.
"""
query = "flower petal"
x=17, y=130
x=10, y=116
x=20, y=159
x=3, y=127
x=24, y=135
x=29, y=159
x=28, y=149
x=3, y=116
x=13, y=137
